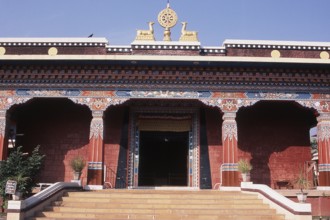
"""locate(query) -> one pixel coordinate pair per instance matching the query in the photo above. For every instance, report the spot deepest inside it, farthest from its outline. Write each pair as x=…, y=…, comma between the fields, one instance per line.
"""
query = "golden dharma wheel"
x=167, y=18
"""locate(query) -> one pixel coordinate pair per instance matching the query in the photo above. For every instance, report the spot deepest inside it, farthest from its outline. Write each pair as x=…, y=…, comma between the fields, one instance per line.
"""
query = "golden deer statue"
x=188, y=35
x=146, y=34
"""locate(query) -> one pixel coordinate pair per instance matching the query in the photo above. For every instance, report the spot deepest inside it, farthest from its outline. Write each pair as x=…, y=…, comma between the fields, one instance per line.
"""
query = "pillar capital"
x=229, y=116
x=324, y=117
x=97, y=114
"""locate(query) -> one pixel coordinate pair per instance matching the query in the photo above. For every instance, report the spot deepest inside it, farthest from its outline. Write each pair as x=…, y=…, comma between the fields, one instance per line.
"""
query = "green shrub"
x=244, y=166
x=21, y=168
x=77, y=164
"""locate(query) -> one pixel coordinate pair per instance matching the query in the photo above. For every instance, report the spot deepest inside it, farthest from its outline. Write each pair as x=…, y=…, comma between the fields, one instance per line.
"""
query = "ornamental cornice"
x=157, y=77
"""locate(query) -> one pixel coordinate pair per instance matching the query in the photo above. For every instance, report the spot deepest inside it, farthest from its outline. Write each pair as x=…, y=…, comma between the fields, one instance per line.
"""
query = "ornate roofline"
x=55, y=40
x=165, y=58
x=265, y=44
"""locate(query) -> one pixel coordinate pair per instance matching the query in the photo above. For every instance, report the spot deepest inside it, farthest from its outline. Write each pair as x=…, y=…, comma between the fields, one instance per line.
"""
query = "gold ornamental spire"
x=167, y=18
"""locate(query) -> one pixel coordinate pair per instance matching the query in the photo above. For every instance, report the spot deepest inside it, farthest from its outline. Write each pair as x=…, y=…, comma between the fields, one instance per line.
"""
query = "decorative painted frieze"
x=229, y=105
x=226, y=101
x=98, y=103
x=324, y=167
x=278, y=95
x=48, y=92
x=229, y=167
x=320, y=106
x=95, y=165
x=7, y=102
x=164, y=94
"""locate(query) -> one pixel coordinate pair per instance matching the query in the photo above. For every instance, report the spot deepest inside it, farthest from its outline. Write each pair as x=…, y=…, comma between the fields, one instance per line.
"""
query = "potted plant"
x=303, y=183
x=77, y=164
x=244, y=167
x=21, y=187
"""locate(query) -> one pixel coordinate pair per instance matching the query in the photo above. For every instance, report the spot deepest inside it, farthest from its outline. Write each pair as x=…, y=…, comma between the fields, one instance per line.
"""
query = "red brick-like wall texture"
x=274, y=136
x=60, y=127
x=113, y=126
x=320, y=204
x=214, y=133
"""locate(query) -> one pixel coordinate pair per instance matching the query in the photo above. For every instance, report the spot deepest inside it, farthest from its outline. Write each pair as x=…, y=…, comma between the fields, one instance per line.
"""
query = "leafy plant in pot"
x=303, y=183
x=77, y=164
x=22, y=185
x=244, y=167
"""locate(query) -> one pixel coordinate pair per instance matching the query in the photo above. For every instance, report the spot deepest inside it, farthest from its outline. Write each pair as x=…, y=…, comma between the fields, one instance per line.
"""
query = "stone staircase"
x=159, y=205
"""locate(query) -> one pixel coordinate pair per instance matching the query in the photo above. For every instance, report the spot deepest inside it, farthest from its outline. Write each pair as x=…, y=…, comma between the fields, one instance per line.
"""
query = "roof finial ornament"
x=167, y=18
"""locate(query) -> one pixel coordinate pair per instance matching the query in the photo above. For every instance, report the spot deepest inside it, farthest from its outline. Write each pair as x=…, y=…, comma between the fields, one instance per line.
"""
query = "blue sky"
x=215, y=20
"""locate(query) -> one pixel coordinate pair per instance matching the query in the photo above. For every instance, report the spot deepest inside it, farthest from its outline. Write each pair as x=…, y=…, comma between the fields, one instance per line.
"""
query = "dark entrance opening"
x=163, y=158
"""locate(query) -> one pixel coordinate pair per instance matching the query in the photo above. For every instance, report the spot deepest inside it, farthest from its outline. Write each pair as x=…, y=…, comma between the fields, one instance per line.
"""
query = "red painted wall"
x=113, y=124
x=274, y=136
x=214, y=124
x=320, y=205
x=60, y=127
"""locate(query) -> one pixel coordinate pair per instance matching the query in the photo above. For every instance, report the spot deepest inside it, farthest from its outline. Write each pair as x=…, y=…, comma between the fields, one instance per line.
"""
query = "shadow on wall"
x=116, y=145
x=274, y=135
x=60, y=127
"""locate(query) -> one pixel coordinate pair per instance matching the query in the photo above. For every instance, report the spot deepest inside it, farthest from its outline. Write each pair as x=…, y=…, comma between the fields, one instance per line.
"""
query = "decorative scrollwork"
x=98, y=103
x=2, y=126
x=229, y=130
x=323, y=127
x=323, y=132
x=229, y=105
x=96, y=128
x=7, y=102
x=229, y=126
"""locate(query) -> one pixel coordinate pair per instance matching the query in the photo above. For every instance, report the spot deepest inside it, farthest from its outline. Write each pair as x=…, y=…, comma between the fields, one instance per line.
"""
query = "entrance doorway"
x=163, y=158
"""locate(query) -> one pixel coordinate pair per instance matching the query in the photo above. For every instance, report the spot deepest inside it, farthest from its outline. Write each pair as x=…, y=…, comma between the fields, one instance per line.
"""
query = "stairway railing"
x=112, y=180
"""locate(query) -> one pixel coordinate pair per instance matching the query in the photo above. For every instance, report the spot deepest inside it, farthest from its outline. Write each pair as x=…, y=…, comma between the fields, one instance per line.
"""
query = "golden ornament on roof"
x=167, y=18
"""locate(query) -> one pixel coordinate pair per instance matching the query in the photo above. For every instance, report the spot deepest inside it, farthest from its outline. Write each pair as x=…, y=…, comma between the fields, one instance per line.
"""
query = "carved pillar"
x=3, y=146
x=323, y=136
x=229, y=142
x=95, y=152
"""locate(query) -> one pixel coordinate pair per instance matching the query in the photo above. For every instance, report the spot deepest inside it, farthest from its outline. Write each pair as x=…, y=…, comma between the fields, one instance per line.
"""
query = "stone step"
x=158, y=205
x=160, y=195
x=218, y=211
x=162, y=206
x=68, y=201
x=54, y=215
